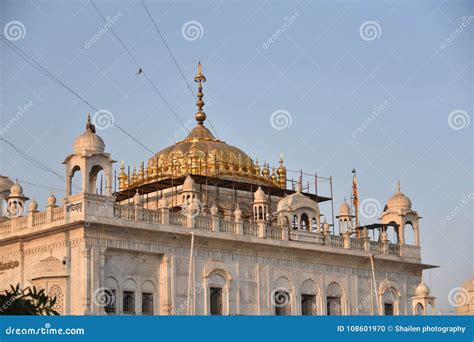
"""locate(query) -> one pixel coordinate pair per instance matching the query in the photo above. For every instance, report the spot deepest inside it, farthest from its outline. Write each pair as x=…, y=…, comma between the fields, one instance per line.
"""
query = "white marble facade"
x=91, y=248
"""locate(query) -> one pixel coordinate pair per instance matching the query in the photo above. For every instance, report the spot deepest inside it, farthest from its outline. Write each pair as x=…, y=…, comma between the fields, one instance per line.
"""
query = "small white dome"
x=297, y=201
x=16, y=189
x=5, y=183
x=89, y=141
x=189, y=184
x=325, y=226
x=422, y=290
x=51, y=200
x=237, y=212
x=136, y=199
x=344, y=209
x=163, y=203
x=33, y=206
x=399, y=201
x=259, y=195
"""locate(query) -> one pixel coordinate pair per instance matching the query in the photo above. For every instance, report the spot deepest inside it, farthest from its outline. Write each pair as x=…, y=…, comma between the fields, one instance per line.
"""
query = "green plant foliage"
x=27, y=301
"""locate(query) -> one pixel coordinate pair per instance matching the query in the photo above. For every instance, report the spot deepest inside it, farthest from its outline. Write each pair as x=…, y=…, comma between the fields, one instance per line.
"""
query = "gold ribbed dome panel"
x=200, y=153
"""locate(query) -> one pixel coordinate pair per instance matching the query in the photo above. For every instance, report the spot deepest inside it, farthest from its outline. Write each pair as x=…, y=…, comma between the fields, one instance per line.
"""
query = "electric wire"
x=174, y=59
x=52, y=77
x=140, y=68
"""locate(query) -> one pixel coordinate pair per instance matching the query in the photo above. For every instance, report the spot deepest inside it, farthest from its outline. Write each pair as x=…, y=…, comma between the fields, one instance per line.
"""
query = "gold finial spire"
x=200, y=115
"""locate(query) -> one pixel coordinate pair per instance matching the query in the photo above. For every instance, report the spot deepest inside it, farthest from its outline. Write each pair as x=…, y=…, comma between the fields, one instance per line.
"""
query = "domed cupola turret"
x=189, y=191
x=89, y=159
x=345, y=217
x=422, y=290
x=422, y=302
x=16, y=201
x=260, y=205
x=399, y=201
x=300, y=210
x=5, y=185
x=399, y=211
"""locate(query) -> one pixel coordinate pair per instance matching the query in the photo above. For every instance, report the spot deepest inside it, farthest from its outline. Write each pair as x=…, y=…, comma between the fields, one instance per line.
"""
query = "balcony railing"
x=228, y=227
x=203, y=222
x=85, y=208
x=250, y=229
x=177, y=219
x=273, y=232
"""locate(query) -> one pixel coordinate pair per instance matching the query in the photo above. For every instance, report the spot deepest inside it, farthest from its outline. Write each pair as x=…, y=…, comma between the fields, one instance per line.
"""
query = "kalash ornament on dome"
x=200, y=153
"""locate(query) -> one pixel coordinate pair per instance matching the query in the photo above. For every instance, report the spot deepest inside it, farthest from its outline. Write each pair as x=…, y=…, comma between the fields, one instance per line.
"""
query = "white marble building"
x=201, y=230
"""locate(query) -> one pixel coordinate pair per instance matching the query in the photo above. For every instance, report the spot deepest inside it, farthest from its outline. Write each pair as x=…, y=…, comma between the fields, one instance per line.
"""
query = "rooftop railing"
x=89, y=208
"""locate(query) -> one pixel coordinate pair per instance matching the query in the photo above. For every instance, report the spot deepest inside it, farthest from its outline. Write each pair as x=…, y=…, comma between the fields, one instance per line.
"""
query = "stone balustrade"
x=90, y=208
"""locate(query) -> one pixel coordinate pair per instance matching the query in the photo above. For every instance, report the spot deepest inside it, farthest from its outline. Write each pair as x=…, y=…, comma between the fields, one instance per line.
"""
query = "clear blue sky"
x=323, y=69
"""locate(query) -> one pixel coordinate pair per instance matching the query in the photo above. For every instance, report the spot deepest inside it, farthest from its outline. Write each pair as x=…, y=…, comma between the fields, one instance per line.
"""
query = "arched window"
x=218, y=294
x=314, y=225
x=304, y=222
x=281, y=297
x=260, y=212
x=148, y=298
x=308, y=298
x=281, y=301
x=110, y=296
x=418, y=309
x=97, y=180
x=128, y=298
x=334, y=299
x=294, y=222
x=409, y=234
x=390, y=302
x=76, y=180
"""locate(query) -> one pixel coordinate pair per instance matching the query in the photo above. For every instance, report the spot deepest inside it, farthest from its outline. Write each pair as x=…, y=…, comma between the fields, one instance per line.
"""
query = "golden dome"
x=200, y=153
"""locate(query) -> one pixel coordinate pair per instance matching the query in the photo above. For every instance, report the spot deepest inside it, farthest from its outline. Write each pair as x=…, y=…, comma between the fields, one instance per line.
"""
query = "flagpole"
x=355, y=197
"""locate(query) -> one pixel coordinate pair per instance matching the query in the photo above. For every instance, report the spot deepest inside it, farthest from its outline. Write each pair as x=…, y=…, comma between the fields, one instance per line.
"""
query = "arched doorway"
x=334, y=299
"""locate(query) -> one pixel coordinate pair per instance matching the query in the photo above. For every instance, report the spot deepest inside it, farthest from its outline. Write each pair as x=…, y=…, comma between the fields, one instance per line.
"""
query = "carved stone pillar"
x=165, y=285
x=85, y=279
